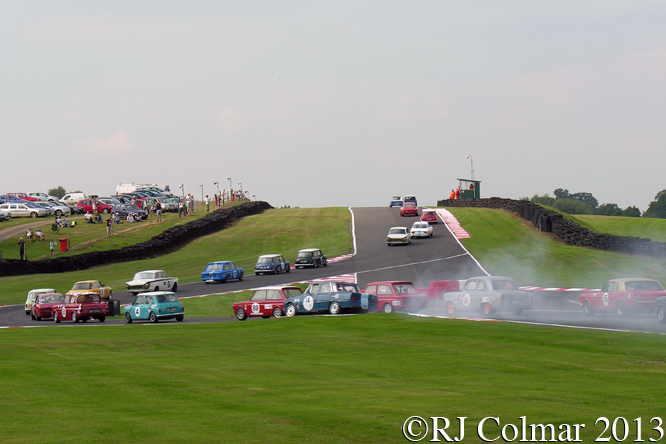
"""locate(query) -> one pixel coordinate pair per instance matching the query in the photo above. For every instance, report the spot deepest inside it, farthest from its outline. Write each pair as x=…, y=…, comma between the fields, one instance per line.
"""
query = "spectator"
x=52, y=245
x=89, y=219
x=167, y=189
x=207, y=204
x=215, y=196
x=130, y=218
x=180, y=208
x=158, y=210
x=39, y=234
x=109, y=227
x=21, y=244
x=116, y=218
x=29, y=235
x=97, y=217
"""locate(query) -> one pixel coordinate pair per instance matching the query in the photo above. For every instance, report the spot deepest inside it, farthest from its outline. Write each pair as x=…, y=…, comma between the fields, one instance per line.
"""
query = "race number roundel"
x=604, y=299
x=308, y=303
x=137, y=311
x=467, y=299
x=255, y=308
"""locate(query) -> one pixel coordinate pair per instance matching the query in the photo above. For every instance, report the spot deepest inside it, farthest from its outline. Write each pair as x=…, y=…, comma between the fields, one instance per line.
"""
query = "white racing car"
x=421, y=229
x=151, y=280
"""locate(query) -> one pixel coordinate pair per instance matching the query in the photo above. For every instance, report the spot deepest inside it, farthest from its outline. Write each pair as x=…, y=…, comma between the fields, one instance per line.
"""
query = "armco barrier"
x=568, y=231
x=165, y=242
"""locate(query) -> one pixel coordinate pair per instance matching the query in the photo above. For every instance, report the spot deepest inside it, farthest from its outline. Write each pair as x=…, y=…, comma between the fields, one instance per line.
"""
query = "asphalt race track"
x=438, y=258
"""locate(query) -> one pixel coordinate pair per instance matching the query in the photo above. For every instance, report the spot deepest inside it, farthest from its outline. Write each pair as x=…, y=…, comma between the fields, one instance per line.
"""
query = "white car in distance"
x=421, y=229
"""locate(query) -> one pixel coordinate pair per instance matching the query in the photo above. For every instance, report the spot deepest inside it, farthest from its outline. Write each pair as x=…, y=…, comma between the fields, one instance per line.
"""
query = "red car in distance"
x=81, y=307
x=43, y=306
x=265, y=302
x=23, y=196
x=409, y=209
x=87, y=205
x=428, y=215
x=623, y=296
x=396, y=296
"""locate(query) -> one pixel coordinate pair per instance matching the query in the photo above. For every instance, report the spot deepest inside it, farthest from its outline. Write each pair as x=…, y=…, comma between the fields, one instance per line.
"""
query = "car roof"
x=47, y=290
x=150, y=271
x=309, y=249
x=270, y=255
x=390, y=282
x=218, y=262
x=90, y=281
x=279, y=287
x=633, y=279
x=157, y=293
x=398, y=227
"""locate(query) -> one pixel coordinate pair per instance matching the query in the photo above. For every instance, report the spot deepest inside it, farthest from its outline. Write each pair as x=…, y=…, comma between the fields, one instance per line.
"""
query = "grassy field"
x=648, y=227
x=346, y=379
x=506, y=245
x=282, y=231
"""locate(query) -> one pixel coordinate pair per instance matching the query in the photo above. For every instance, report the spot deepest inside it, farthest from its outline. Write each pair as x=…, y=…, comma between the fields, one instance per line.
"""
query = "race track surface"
x=438, y=258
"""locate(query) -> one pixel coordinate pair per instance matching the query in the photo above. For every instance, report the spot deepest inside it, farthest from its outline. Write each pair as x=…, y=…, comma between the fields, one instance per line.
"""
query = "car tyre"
x=153, y=317
x=334, y=308
x=102, y=318
x=315, y=265
x=388, y=308
x=622, y=309
x=240, y=278
x=180, y=318
x=288, y=269
x=74, y=318
x=275, y=271
x=33, y=215
x=157, y=288
x=128, y=318
x=84, y=319
x=486, y=309
x=105, y=211
x=291, y=310
x=587, y=309
x=58, y=213
x=56, y=318
x=277, y=312
x=32, y=316
x=325, y=263
x=226, y=279
x=240, y=314
x=175, y=286
x=450, y=308
x=661, y=314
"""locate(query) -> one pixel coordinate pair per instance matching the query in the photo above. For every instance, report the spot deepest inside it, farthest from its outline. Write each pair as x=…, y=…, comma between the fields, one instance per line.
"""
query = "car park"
x=398, y=236
x=109, y=201
x=32, y=295
x=23, y=196
x=10, y=199
x=27, y=209
x=330, y=297
x=155, y=306
x=396, y=296
x=221, y=271
x=396, y=201
x=91, y=287
x=409, y=209
x=151, y=280
x=421, y=229
x=44, y=197
x=486, y=294
x=623, y=296
x=72, y=198
x=89, y=206
x=5, y=215
x=124, y=210
x=428, y=215
x=43, y=306
x=266, y=302
x=57, y=209
x=81, y=307
x=310, y=257
x=271, y=263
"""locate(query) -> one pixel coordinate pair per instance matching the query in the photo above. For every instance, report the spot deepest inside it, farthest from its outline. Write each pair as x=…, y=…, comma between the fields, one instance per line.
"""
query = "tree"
x=58, y=192
x=657, y=207
x=561, y=194
x=632, y=212
x=610, y=209
x=587, y=198
x=572, y=206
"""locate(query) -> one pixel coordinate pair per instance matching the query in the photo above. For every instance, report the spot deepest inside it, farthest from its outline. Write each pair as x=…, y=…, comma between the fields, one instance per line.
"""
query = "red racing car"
x=428, y=215
x=43, y=306
x=409, y=209
x=623, y=296
x=265, y=302
x=396, y=296
x=81, y=307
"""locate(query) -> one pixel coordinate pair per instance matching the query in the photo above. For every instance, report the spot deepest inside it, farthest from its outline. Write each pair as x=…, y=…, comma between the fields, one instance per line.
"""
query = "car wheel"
x=105, y=211
x=56, y=318
x=291, y=310
x=74, y=318
x=134, y=293
x=587, y=309
x=180, y=318
x=157, y=288
x=486, y=309
x=27, y=313
x=32, y=316
x=288, y=269
x=258, y=274
x=175, y=286
x=388, y=308
x=315, y=264
x=110, y=295
x=128, y=318
x=661, y=314
x=84, y=319
x=33, y=215
x=277, y=312
x=334, y=308
x=102, y=318
x=622, y=309
x=275, y=271
x=240, y=278
x=240, y=314
x=226, y=279
x=58, y=213
x=450, y=308
x=325, y=263
x=153, y=317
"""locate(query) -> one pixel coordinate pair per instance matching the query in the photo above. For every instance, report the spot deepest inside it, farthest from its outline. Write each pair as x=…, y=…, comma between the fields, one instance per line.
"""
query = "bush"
x=572, y=206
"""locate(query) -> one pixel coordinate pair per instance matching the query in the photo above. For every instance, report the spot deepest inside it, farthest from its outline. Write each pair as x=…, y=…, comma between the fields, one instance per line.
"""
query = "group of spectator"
x=94, y=218
x=186, y=206
x=36, y=235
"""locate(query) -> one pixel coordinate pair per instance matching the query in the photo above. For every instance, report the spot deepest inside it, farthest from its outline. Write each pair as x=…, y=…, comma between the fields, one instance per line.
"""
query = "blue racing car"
x=330, y=297
x=221, y=271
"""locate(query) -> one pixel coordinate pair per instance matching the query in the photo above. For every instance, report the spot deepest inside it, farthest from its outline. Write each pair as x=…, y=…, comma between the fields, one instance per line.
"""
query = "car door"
x=385, y=295
x=273, y=299
x=469, y=297
x=323, y=297
x=605, y=300
x=138, y=308
x=258, y=303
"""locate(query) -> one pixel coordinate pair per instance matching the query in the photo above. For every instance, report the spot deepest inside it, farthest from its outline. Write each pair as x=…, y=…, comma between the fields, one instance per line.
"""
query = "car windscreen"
x=643, y=285
x=161, y=299
x=404, y=289
x=265, y=260
x=82, y=286
x=142, y=276
x=420, y=226
x=504, y=285
x=291, y=292
x=214, y=267
x=50, y=299
x=305, y=254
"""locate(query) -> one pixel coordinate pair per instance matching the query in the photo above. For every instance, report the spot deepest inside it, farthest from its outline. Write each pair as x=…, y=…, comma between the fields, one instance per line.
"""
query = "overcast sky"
x=335, y=103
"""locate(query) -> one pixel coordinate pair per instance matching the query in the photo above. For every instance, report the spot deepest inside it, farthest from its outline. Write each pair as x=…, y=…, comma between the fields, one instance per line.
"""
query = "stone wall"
x=568, y=231
x=165, y=242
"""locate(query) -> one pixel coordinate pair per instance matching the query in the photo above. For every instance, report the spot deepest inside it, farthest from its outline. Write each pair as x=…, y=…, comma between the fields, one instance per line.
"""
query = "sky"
x=335, y=103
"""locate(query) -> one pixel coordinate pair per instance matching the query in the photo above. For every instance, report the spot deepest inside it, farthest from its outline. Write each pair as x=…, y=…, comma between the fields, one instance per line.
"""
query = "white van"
x=73, y=198
x=123, y=188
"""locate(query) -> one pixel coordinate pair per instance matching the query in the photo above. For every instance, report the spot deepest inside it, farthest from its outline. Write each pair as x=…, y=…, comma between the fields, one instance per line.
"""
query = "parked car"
x=265, y=302
x=486, y=294
x=623, y=296
x=5, y=215
x=421, y=229
x=43, y=197
x=27, y=209
x=221, y=271
x=396, y=296
x=87, y=205
x=10, y=199
x=398, y=236
x=155, y=306
x=23, y=196
x=32, y=295
x=428, y=215
x=91, y=287
x=43, y=306
x=271, y=263
x=72, y=198
x=409, y=209
x=396, y=201
x=151, y=280
x=109, y=201
x=123, y=210
x=57, y=209
x=81, y=307
x=310, y=257
x=330, y=297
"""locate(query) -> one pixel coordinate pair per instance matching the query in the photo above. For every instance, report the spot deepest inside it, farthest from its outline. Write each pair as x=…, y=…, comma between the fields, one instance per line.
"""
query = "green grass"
x=351, y=379
x=651, y=228
x=282, y=231
x=508, y=246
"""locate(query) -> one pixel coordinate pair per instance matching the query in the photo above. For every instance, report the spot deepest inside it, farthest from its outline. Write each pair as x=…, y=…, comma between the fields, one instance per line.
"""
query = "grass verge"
x=352, y=379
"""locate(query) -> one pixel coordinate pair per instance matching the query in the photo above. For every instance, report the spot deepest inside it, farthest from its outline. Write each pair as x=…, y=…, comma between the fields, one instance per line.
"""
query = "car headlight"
x=146, y=285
